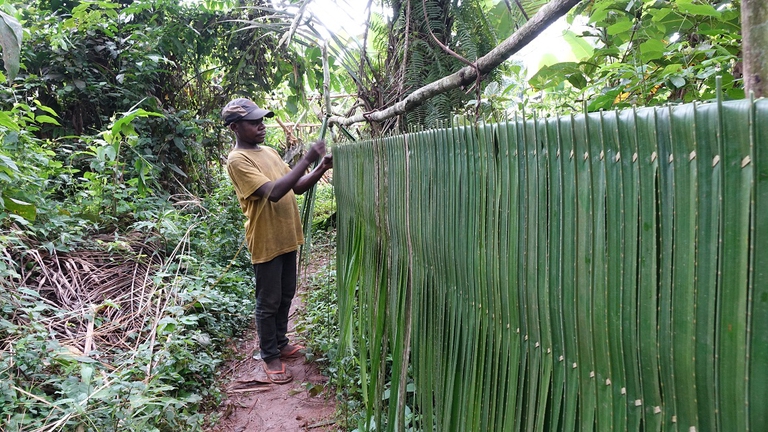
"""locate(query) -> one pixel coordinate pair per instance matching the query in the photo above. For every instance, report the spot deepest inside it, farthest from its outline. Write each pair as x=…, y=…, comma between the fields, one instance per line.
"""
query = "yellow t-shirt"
x=271, y=228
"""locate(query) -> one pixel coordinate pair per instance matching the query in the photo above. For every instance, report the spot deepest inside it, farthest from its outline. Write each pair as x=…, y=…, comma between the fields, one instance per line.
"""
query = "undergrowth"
x=151, y=370
x=319, y=325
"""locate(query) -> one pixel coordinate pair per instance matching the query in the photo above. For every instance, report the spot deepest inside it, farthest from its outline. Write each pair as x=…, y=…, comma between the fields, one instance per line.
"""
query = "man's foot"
x=276, y=372
x=292, y=351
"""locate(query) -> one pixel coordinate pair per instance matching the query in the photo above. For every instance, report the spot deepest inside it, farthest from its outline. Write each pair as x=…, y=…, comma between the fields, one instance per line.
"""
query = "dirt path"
x=255, y=404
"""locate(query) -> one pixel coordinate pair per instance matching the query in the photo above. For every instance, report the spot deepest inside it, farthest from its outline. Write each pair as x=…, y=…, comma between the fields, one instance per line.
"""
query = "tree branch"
x=466, y=75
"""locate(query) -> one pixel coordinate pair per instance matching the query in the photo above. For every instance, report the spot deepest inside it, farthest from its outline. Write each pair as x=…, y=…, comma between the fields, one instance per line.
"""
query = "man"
x=265, y=187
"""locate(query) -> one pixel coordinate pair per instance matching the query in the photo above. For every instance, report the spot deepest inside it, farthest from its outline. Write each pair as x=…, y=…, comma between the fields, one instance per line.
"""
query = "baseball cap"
x=243, y=109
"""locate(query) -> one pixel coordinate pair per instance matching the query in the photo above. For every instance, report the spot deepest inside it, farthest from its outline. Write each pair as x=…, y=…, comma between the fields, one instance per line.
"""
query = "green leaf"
x=735, y=93
x=604, y=101
x=579, y=46
x=577, y=80
x=47, y=109
x=166, y=325
x=8, y=122
x=189, y=320
x=598, y=16
x=492, y=89
x=652, y=49
x=86, y=373
x=621, y=26
x=672, y=69
x=677, y=81
x=124, y=121
x=313, y=54
x=46, y=119
x=177, y=170
x=501, y=19
x=688, y=7
x=674, y=20
x=107, y=152
x=10, y=39
x=659, y=14
x=169, y=226
x=311, y=80
x=550, y=76
x=9, y=163
x=179, y=143
x=24, y=209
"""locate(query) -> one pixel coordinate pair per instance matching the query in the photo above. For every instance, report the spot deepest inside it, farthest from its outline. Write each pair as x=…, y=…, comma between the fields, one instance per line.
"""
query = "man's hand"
x=327, y=162
x=295, y=179
x=316, y=151
x=309, y=179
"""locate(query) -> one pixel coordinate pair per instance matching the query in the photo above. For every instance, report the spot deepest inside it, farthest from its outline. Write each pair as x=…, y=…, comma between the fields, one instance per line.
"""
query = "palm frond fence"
x=606, y=271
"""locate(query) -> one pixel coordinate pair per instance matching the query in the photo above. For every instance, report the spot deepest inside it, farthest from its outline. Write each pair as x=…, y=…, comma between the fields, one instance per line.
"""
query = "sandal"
x=292, y=351
x=277, y=377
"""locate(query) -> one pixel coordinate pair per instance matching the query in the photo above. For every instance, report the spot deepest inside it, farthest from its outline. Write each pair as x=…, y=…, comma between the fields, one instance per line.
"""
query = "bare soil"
x=255, y=404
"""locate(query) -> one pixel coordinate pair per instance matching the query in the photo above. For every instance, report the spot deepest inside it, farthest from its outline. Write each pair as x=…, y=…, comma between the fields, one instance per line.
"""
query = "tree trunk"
x=468, y=75
x=754, y=35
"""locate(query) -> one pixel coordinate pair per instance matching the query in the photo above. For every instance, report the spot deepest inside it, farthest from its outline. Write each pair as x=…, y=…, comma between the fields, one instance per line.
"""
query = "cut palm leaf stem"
x=683, y=286
x=308, y=208
x=738, y=182
x=309, y=197
x=758, y=337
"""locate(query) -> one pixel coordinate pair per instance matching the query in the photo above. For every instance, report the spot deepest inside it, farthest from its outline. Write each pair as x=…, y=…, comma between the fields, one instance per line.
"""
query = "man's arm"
x=274, y=190
x=312, y=177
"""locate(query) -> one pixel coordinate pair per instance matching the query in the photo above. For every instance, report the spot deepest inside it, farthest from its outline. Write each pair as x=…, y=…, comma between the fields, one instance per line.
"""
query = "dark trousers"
x=275, y=288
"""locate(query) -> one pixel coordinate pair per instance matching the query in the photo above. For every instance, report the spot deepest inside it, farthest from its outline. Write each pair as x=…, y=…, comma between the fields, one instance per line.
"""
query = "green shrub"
x=324, y=210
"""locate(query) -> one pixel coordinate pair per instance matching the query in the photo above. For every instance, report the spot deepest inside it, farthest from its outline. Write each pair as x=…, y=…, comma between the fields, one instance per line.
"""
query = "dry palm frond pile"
x=100, y=301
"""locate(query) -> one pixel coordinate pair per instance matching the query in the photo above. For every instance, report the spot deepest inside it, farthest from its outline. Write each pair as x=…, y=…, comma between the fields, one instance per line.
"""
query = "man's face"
x=250, y=131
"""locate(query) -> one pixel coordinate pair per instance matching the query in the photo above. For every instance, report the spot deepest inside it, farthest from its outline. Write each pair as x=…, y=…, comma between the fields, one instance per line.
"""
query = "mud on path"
x=254, y=404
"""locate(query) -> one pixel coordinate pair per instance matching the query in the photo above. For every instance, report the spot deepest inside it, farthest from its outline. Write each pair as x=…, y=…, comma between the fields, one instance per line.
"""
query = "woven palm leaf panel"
x=606, y=271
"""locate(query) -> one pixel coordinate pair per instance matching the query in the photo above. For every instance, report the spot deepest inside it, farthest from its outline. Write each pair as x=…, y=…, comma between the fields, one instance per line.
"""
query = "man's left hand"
x=327, y=162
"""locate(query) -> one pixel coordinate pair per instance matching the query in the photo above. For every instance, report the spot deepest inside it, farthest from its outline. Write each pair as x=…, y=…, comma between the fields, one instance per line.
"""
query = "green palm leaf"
x=577, y=273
